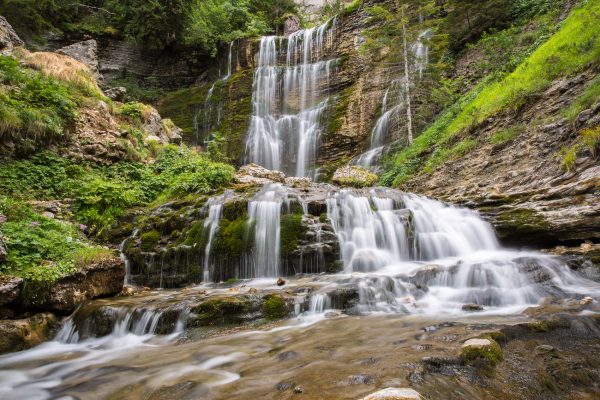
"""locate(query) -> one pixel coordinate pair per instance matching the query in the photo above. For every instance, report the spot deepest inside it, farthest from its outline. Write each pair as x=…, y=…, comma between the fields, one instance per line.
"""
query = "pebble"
x=394, y=394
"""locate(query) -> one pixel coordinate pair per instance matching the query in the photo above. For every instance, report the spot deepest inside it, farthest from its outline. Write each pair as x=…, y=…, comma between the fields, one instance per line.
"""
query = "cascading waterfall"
x=289, y=100
x=394, y=101
x=124, y=257
x=212, y=225
x=417, y=254
x=210, y=122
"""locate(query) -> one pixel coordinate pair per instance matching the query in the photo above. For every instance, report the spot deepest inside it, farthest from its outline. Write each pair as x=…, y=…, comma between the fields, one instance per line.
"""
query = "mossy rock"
x=233, y=238
x=481, y=353
x=290, y=233
x=224, y=310
x=196, y=235
x=354, y=176
x=275, y=307
x=149, y=240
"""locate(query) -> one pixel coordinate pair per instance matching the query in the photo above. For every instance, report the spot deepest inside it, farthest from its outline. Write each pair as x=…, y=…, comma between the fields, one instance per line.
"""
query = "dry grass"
x=62, y=67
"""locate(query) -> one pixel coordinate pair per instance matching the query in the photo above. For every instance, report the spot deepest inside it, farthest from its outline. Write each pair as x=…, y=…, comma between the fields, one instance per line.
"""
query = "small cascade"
x=124, y=257
x=211, y=117
x=394, y=101
x=211, y=224
x=289, y=98
x=265, y=215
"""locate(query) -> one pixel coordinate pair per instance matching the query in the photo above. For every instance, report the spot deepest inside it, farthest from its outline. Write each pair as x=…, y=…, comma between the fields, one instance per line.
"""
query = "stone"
x=394, y=394
x=291, y=24
x=256, y=175
x=22, y=334
x=280, y=282
x=10, y=288
x=544, y=349
x=474, y=350
x=85, y=52
x=3, y=249
x=287, y=355
x=354, y=176
x=586, y=300
x=472, y=307
x=298, y=389
x=116, y=93
x=8, y=37
x=152, y=138
x=48, y=214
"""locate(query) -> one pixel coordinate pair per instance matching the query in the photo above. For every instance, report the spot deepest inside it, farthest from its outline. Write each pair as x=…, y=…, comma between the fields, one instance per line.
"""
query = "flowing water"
x=289, y=99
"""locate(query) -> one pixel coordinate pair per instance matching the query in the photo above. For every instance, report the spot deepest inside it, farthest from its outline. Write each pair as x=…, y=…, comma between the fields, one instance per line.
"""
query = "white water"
x=289, y=99
x=412, y=254
x=265, y=214
x=211, y=223
x=125, y=258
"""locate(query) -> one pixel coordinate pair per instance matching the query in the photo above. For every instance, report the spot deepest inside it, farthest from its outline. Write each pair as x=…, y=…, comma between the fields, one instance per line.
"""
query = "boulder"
x=476, y=351
x=10, y=288
x=256, y=175
x=85, y=52
x=472, y=307
x=116, y=93
x=394, y=394
x=354, y=176
x=8, y=37
x=22, y=334
x=3, y=250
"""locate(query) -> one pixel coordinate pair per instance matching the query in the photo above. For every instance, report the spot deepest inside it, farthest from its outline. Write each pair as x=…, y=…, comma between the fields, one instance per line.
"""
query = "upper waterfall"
x=289, y=97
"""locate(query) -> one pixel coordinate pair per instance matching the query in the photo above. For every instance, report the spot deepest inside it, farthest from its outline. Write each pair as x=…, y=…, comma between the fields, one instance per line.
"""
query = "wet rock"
x=256, y=175
x=10, y=289
x=360, y=379
x=280, y=282
x=394, y=394
x=116, y=93
x=354, y=176
x=8, y=37
x=298, y=389
x=283, y=386
x=472, y=307
x=85, y=52
x=22, y=334
x=287, y=355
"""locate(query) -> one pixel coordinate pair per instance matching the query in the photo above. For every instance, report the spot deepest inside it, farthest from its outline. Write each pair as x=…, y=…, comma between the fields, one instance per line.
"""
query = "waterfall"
x=124, y=257
x=289, y=99
x=207, y=108
x=415, y=253
x=212, y=225
x=394, y=101
x=265, y=215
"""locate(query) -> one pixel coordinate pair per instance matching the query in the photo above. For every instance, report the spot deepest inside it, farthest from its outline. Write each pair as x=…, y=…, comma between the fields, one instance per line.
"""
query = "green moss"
x=196, y=235
x=588, y=98
x=291, y=231
x=337, y=113
x=233, y=238
x=484, y=358
x=221, y=310
x=181, y=107
x=149, y=240
x=274, y=307
x=521, y=221
x=236, y=114
x=356, y=177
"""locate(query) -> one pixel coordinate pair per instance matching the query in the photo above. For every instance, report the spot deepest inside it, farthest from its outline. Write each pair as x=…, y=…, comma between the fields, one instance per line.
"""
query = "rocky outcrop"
x=354, y=176
x=85, y=52
x=520, y=185
x=253, y=174
x=10, y=289
x=101, y=279
x=22, y=334
x=8, y=37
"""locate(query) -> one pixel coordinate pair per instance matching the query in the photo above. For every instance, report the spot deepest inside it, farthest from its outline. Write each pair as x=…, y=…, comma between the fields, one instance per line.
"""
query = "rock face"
x=8, y=37
x=116, y=93
x=10, y=289
x=520, y=185
x=3, y=251
x=22, y=334
x=97, y=280
x=85, y=52
x=256, y=175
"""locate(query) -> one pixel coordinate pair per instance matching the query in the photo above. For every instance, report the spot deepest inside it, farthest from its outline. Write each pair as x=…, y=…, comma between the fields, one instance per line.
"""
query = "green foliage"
x=588, y=98
x=34, y=109
x=32, y=17
x=102, y=194
x=41, y=249
x=136, y=112
x=573, y=47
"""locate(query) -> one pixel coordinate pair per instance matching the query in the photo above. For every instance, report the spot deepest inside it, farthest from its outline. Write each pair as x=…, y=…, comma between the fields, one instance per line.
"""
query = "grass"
x=589, y=97
x=572, y=48
x=506, y=135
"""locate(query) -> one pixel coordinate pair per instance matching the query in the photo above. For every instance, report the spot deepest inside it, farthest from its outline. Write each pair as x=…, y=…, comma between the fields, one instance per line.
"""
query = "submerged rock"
x=472, y=307
x=394, y=394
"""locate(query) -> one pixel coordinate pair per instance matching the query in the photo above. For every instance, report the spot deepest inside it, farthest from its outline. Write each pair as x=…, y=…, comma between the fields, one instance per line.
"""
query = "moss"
x=181, y=107
x=236, y=114
x=233, y=238
x=149, y=240
x=274, y=307
x=483, y=358
x=507, y=135
x=196, y=235
x=520, y=220
x=234, y=209
x=221, y=310
x=323, y=218
x=291, y=231
x=336, y=116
